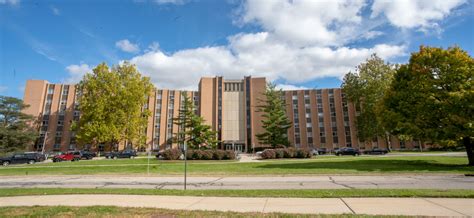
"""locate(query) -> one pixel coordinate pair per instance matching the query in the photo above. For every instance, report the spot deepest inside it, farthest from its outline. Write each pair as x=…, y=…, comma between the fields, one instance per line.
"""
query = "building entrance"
x=235, y=147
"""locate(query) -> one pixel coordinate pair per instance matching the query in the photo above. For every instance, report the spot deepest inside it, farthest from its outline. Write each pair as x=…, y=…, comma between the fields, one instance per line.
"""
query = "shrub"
x=197, y=155
x=229, y=155
x=206, y=155
x=289, y=153
x=218, y=154
x=280, y=153
x=172, y=154
x=303, y=153
x=268, y=154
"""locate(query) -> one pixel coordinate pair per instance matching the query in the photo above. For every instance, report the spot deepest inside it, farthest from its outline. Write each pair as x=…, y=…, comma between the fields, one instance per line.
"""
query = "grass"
x=315, y=166
x=312, y=193
x=108, y=211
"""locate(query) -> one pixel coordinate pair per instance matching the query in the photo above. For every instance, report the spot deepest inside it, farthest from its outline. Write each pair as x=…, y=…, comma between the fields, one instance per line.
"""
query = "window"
x=333, y=124
x=308, y=115
x=320, y=114
x=310, y=140
x=309, y=125
x=346, y=123
x=60, y=122
x=294, y=97
x=334, y=134
x=321, y=124
x=51, y=89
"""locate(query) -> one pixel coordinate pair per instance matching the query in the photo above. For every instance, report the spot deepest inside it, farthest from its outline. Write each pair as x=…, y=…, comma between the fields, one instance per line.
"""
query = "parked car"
x=315, y=152
x=69, y=156
x=322, y=151
x=87, y=155
x=18, y=159
x=376, y=151
x=347, y=151
x=37, y=156
x=121, y=154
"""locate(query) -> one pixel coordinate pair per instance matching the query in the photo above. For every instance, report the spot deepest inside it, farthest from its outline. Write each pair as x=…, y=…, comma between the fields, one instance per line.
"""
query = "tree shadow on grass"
x=364, y=165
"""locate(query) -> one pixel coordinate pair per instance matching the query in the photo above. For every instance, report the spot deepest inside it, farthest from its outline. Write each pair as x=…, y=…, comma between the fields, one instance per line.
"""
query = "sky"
x=296, y=44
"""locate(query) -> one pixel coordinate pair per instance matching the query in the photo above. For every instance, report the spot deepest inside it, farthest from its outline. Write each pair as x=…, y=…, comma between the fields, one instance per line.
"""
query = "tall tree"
x=275, y=122
x=365, y=88
x=16, y=131
x=192, y=129
x=112, y=103
x=432, y=97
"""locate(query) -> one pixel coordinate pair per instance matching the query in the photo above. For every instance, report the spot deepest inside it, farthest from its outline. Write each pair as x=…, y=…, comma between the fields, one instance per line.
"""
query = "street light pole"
x=185, y=163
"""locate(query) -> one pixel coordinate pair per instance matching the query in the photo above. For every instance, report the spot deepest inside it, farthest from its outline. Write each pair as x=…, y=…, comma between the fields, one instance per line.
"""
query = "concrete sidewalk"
x=240, y=182
x=371, y=206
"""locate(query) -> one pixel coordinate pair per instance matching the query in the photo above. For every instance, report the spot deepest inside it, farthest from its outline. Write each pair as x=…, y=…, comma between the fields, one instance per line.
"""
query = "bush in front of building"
x=214, y=154
x=172, y=154
x=207, y=154
x=289, y=152
x=279, y=153
x=229, y=155
x=218, y=155
x=303, y=153
x=286, y=153
x=268, y=154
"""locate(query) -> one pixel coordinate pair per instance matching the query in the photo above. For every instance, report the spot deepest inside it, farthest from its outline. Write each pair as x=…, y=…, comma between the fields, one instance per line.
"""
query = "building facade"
x=322, y=118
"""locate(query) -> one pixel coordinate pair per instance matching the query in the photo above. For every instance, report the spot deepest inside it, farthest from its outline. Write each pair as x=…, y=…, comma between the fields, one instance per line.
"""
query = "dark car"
x=347, y=151
x=87, y=155
x=18, y=159
x=322, y=151
x=38, y=157
x=121, y=154
x=376, y=151
x=69, y=156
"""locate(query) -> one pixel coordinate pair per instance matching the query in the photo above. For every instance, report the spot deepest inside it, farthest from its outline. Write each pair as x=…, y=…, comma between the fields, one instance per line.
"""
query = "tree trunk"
x=468, y=144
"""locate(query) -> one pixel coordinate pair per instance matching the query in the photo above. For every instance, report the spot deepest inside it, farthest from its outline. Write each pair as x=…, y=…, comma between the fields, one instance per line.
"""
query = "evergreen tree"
x=16, y=133
x=275, y=122
x=192, y=129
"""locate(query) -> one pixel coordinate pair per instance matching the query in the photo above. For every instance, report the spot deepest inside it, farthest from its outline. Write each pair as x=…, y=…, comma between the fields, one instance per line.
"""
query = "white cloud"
x=175, y=2
x=256, y=54
x=3, y=89
x=10, y=2
x=290, y=87
x=127, y=46
x=55, y=11
x=422, y=14
x=372, y=34
x=76, y=72
x=307, y=22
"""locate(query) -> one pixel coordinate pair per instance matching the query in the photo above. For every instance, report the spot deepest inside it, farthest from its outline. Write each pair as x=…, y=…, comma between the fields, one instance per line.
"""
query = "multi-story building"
x=322, y=118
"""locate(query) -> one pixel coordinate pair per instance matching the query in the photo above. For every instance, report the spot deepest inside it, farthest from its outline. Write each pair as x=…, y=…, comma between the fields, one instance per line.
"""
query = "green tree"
x=16, y=131
x=274, y=122
x=432, y=97
x=365, y=88
x=112, y=103
x=192, y=129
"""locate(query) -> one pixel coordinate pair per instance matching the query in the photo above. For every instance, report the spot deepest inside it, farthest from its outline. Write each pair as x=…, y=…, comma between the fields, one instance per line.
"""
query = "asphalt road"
x=267, y=182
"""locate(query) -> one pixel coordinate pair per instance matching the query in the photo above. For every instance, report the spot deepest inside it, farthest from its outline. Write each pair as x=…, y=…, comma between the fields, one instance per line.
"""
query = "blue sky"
x=297, y=44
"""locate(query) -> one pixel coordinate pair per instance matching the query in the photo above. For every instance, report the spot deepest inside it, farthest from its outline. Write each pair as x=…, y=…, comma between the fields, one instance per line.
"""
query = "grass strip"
x=312, y=193
x=109, y=211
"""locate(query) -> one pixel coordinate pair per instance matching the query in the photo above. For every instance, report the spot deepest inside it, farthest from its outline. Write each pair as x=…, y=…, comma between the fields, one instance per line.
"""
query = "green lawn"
x=311, y=193
x=319, y=165
x=108, y=211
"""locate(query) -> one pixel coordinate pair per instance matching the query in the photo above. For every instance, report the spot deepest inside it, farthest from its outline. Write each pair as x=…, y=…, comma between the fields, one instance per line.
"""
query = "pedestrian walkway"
x=370, y=206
